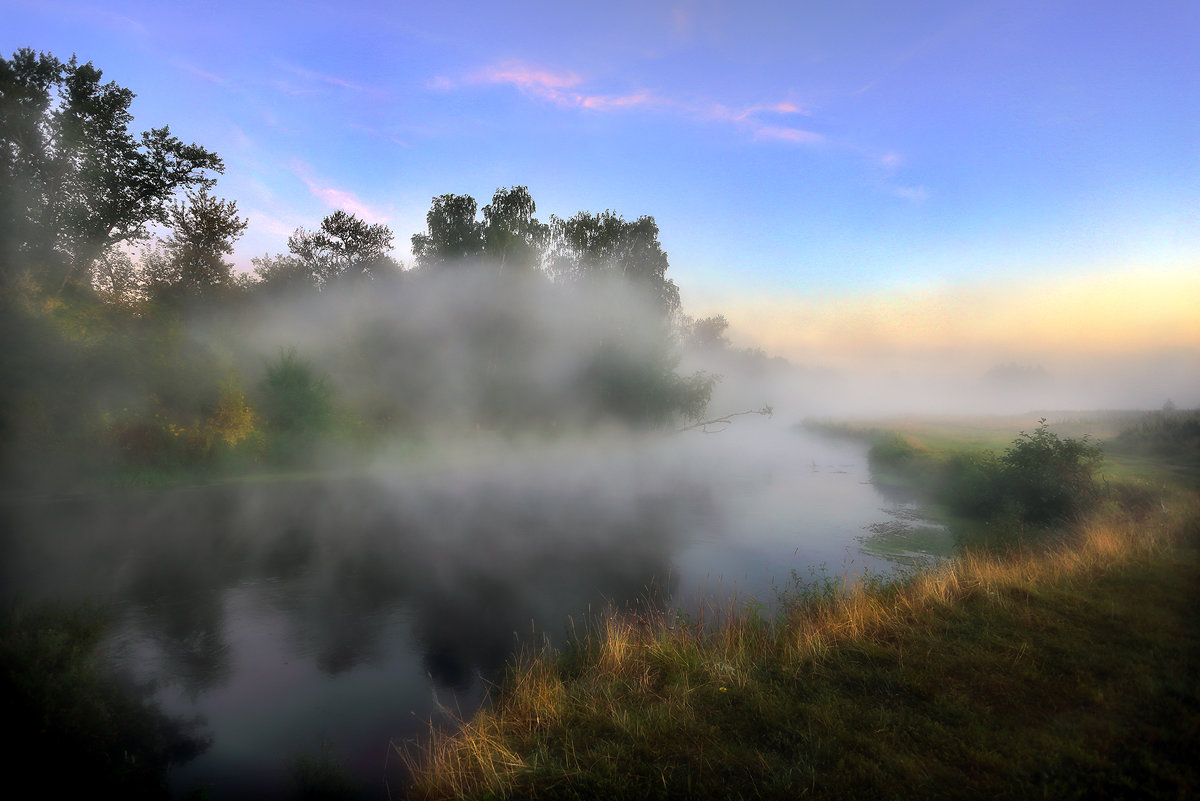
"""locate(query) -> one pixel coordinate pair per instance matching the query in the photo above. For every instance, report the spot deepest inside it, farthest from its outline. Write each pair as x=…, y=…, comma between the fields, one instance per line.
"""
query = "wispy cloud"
x=310, y=77
x=559, y=88
x=797, y=136
x=538, y=82
x=334, y=197
x=891, y=160
x=569, y=90
x=752, y=112
x=108, y=18
x=204, y=75
x=916, y=194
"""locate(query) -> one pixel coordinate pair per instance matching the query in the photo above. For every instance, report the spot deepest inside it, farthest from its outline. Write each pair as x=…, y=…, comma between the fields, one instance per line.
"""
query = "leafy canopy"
x=74, y=181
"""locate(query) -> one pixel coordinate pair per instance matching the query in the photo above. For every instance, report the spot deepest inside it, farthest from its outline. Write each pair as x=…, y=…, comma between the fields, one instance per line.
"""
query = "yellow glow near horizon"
x=1111, y=313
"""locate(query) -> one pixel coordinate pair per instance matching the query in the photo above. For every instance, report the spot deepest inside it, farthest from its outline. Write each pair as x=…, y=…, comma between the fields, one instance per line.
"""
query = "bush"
x=1048, y=478
x=296, y=405
x=1039, y=479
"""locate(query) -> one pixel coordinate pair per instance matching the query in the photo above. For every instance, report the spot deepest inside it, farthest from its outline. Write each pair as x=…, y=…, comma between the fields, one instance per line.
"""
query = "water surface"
x=341, y=614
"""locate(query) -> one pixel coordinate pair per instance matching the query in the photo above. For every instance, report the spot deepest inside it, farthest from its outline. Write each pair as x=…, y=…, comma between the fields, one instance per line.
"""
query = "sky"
x=844, y=181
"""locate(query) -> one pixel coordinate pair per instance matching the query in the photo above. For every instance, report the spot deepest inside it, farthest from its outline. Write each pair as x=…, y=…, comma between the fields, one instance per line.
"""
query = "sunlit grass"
x=1060, y=669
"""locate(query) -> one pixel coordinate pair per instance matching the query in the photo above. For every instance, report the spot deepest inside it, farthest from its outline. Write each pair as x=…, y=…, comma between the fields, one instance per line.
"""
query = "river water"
x=341, y=614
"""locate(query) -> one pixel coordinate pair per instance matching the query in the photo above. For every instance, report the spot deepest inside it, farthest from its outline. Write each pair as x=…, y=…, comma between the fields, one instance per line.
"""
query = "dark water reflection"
x=346, y=613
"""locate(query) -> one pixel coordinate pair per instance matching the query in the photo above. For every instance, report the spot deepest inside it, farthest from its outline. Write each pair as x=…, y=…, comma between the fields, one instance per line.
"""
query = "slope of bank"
x=1068, y=670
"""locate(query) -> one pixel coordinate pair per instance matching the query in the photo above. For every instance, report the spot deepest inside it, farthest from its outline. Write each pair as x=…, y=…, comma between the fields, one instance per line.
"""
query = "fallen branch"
x=724, y=422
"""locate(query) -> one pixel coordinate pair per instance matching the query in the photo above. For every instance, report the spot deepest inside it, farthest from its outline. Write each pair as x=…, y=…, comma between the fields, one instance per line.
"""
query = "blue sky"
x=798, y=157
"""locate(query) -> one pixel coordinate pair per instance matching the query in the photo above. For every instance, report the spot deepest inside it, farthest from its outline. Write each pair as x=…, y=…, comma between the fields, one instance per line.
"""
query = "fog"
x=326, y=519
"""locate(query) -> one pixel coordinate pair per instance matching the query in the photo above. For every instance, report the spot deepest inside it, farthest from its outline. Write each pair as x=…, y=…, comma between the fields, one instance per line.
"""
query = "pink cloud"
x=553, y=86
x=563, y=89
x=538, y=82
x=336, y=198
x=775, y=108
x=605, y=102
x=795, y=135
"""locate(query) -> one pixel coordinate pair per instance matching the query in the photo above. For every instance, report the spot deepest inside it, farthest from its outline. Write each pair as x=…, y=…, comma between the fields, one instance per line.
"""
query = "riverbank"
x=1061, y=667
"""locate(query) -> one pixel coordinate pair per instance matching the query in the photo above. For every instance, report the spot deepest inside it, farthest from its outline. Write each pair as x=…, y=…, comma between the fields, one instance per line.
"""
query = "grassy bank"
x=1059, y=667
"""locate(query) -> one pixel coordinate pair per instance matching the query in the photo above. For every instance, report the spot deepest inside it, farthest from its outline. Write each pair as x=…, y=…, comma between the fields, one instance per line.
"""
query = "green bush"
x=296, y=406
x=1048, y=478
x=1040, y=479
x=971, y=485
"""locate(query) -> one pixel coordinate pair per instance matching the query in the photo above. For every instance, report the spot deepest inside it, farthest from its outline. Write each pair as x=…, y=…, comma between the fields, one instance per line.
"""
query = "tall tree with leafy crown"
x=74, y=181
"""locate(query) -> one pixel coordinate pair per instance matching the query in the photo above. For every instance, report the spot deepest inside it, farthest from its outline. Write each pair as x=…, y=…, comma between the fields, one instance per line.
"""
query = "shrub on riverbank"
x=1039, y=479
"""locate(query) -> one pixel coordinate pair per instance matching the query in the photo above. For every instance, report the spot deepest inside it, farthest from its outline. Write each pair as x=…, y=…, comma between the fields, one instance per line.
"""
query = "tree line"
x=109, y=239
x=79, y=189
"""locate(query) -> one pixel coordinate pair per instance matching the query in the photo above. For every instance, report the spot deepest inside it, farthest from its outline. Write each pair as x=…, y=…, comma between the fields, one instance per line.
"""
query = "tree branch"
x=725, y=421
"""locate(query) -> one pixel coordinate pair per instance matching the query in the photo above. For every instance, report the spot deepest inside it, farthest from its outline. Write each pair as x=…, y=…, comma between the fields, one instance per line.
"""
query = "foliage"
x=74, y=181
x=296, y=405
x=512, y=237
x=1170, y=433
x=707, y=333
x=1039, y=479
x=452, y=233
x=191, y=263
x=134, y=370
x=643, y=391
x=590, y=246
x=1048, y=478
x=344, y=247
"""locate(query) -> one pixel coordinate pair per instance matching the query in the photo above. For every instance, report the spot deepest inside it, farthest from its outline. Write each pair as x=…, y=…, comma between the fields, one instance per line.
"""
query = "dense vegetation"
x=142, y=364
x=1169, y=435
x=1040, y=478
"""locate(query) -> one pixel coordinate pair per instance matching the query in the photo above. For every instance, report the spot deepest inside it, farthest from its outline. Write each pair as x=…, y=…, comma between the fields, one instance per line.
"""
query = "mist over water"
x=496, y=475
x=348, y=611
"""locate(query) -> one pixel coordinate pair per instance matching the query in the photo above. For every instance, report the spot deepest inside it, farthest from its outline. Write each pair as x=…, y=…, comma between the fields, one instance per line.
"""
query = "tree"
x=452, y=233
x=512, y=236
x=591, y=245
x=707, y=333
x=204, y=229
x=74, y=182
x=343, y=247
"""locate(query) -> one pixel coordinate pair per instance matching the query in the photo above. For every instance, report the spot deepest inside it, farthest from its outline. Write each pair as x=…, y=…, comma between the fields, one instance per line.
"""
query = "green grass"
x=1059, y=667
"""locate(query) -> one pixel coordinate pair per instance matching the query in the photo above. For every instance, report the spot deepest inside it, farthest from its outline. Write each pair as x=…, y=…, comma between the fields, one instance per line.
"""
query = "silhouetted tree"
x=74, y=181
x=204, y=229
x=512, y=236
x=591, y=245
x=452, y=233
x=343, y=247
x=707, y=333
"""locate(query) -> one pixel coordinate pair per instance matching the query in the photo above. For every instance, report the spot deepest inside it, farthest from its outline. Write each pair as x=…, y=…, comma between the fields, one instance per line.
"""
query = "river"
x=338, y=615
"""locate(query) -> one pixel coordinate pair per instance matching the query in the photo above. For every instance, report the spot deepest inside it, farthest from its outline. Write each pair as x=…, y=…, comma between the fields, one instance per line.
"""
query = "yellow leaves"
x=233, y=420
